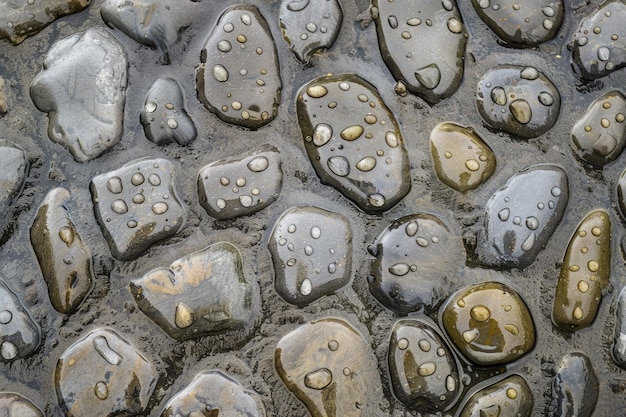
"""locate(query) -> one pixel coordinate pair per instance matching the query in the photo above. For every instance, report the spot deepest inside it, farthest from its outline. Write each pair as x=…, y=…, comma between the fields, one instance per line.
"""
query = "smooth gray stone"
x=619, y=334
x=12, y=176
x=15, y=405
x=20, y=335
x=574, y=388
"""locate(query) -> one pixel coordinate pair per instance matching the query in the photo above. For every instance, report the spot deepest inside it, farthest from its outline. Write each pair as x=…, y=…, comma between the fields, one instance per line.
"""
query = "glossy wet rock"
x=137, y=206
x=312, y=253
x=15, y=405
x=310, y=25
x=3, y=100
x=489, y=323
x=14, y=170
x=330, y=368
x=409, y=271
x=239, y=77
x=599, y=46
x=20, y=335
x=164, y=117
x=242, y=184
x=621, y=194
x=518, y=100
x=574, y=388
x=521, y=216
x=599, y=136
x=354, y=141
x=213, y=393
x=103, y=374
x=200, y=294
x=424, y=371
x=463, y=161
x=423, y=44
x=21, y=19
x=82, y=87
x=585, y=273
x=619, y=334
x=522, y=23
x=64, y=259
x=510, y=397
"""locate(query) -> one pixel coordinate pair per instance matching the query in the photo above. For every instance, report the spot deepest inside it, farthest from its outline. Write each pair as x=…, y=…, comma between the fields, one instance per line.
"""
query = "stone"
x=489, y=323
x=408, y=273
x=463, y=161
x=13, y=174
x=137, y=206
x=585, y=273
x=521, y=216
x=330, y=368
x=204, y=293
x=354, y=141
x=82, y=87
x=213, y=393
x=599, y=136
x=574, y=388
x=15, y=405
x=510, y=397
x=423, y=44
x=599, y=46
x=518, y=100
x=621, y=194
x=239, y=76
x=522, y=24
x=310, y=26
x=20, y=335
x=618, y=349
x=164, y=117
x=424, y=372
x=4, y=108
x=22, y=19
x=311, y=250
x=64, y=259
x=103, y=374
x=242, y=184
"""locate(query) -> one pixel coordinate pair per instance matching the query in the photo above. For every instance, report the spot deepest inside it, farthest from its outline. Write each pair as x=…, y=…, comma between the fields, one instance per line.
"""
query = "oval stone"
x=574, y=388
x=510, y=397
x=20, y=335
x=619, y=334
x=15, y=405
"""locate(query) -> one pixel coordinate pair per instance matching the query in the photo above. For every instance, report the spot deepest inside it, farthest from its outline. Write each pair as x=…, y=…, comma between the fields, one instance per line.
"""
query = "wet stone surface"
x=239, y=77
x=618, y=349
x=621, y=194
x=510, y=397
x=102, y=374
x=64, y=259
x=82, y=87
x=518, y=100
x=15, y=405
x=328, y=366
x=574, y=388
x=354, y=141
x=242, y=184
x=12, y=176
x=521, y=216
x=409, y=272
x=4, y=108
x=489, y=323
x=164, y=118
x=423, y=44
x=19, y=334
x=310, y=25
x=200, y=294
x=137, y=206
x=312, y=253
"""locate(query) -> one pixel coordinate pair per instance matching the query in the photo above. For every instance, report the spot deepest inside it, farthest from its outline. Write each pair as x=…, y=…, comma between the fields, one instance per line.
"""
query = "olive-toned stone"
x=510, y=397
x=20, y=335
x=585, y=273
x=15, y=405
x=619, y=334
x=463, y=161
x=489, y=323
x=574, y=388
x=328, y=365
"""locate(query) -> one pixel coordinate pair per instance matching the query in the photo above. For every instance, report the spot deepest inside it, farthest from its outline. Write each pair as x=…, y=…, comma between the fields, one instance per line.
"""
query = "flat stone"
x=463, y=161
x=619, y=335
x=408, y=272
x=15, y=405
x=510, y=397
x=20, y=335
x=489, y=323
x=574, y=388
x=82, y=87
x=137, y=206
x=14, y=170
x=164, y=117
x=423, y=44
x=4, y=107
x=239, y=77
x=521, y=216
x=241, y=184
x=599, y=136
x=204, y=293
x=585, y=273
x=424, y=372
x=621, y=194
x=312, y=253
x=309, y=26
x=64, y=259
x=330, y=368
x=212, y=394
x=103, y=374
x=354, y=141
x=518, y=100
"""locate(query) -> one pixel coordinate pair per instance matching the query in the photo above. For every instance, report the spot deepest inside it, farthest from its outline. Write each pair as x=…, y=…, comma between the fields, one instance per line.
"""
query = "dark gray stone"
x=20, y=335
x=619, y=334
x=574, y=388
x=510, y=397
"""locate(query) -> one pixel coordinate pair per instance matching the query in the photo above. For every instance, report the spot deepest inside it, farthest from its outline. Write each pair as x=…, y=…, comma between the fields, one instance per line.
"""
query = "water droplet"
x=172, y=123
x=370, y=119
x=454, y=25
x=411, y=228
x=511, y=393
x=220, y=203
x=159, y=208
x=366, y=164
x=332, y=268
x=376, y=200
x=291, y=228
x=521, y=111
x=333, y=345
x=339, y=165
x=414, y=21
x=229, y=27
x=578, y=313
x=555, y=191
x=393, y=21
x=498, y=96
x=532, y=223
x=546, y=98
x=529, y=73
x=220, y=73
x=547, y=24
x=517, y=220
x=150, y=107
x=8, y=350
x=319, y=379
x=403, y=344
x=115, y=185
x=119, y=206
x=322, y=134
x=316, y=91
x=351, y=133
x=406, y=35
x=400, y=269
x=583, y=286
x=427, y=369
x=246, y=19
x=101, y=390
x=392, y=139
x=529, y=242
x=504, y=214
x=316, y=232
x=5, y=317
x=224, y=46
x=245, y=200
x=184, y=316
x=593, y=266
x=511, y=328
x=344, y=86
x=480, y=313
x=101, y=345
x=470, y=335
x=66, y=234
x=472, y=165
x=483, y=4
x=450, y=383
x=137, y=179
x=422, y=242
x=306, y=287
x=242, y=38
x=424, y=345
x=154, y=179
x=131, y=224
